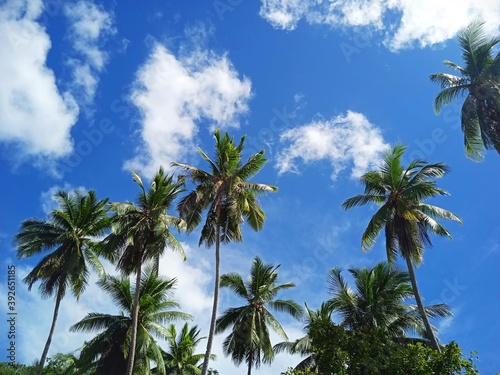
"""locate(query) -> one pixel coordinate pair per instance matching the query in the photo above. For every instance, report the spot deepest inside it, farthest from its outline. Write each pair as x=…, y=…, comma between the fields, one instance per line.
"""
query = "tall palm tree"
x=180, y=358
x=229, y=198
x=379, y=301
x=479, y=81
x=407, y=220
x=70, y=234
x=107, y=352
x=141, y=232
x=249, y=339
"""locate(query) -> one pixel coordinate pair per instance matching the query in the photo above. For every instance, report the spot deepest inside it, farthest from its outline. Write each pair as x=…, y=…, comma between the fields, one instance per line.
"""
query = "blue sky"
x=91, y=90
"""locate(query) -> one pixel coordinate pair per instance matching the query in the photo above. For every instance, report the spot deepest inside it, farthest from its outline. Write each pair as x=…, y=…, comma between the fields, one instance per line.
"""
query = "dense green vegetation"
x=370, y=328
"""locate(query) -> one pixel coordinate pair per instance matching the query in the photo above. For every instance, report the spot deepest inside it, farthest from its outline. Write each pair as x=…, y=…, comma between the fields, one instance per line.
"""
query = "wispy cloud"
x=90, y=26
x=349, y=141
x=176, y=95
x=47, y=197
x=402, y=23
x=34, y=115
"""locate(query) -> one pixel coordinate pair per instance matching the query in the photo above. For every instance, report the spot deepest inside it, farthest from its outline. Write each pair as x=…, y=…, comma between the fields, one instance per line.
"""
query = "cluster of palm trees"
x=379, y=303
x=135, y=235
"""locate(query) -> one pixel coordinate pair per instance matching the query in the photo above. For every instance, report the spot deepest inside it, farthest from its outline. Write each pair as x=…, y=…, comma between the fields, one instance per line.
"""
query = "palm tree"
x=404, y=215
x=107, y=352
x=140, y=234
x=304, y=345
x=69, y=233
x=378, y=302
x=249, y=339
x=229, y=198
x=479, y=80
x=180, y=358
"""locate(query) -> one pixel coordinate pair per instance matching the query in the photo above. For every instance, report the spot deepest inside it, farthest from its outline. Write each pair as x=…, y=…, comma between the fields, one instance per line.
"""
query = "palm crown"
x=378, y=301
x=249, y=340
x=407, y=220
x=401, y=192
x=70, y=233
x=180, y=358
x=141, y=232
x=228, y=198
x=107, y=353
x=225, y=191
x=479, y=81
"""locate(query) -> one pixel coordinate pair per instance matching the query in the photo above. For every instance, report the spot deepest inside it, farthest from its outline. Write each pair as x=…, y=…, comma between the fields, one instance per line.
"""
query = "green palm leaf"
x=249, y=339
x=406, y=219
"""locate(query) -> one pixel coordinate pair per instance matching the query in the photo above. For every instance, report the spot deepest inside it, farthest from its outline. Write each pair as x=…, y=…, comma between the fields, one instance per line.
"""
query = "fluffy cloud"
x=284, y=14
x=349, y=140
x=90, y=25
x=403, y=22
x=34, y=114
x=175, y=94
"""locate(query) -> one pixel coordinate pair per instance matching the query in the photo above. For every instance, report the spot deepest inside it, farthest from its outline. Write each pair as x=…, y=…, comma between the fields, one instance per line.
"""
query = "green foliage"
x=407, y=221
x=378, y=301
x=107, y=352
x=69, y=234
x=292, y=371
x=17, y=369
x=479, y=82
x=228, y=199
x=249, y=339
x=180, y=358
x=374, y=352
x=421, y=360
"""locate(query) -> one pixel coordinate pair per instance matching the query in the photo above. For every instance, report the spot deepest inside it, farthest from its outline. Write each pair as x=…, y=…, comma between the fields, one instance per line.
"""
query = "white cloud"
x=175, y=94
x=429, y=22
x=349, y=140
x=34, y=115
x=402, y=22
x=194, y=287
x=284, y=14
x=90, y=26
x=47, y=200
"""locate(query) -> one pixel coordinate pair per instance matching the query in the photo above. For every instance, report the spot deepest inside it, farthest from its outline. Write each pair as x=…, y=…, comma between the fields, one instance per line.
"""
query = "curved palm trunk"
x=216, y=303
x=135, y=315
x=52, y=328
x=420, y=305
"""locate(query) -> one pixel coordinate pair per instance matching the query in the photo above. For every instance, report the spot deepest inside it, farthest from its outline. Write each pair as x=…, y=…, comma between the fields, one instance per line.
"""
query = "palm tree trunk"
x=156, y=265
x=52, y=327
x=430, y=334
x=216, y=303
x=250, y=360
x=135, y=316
